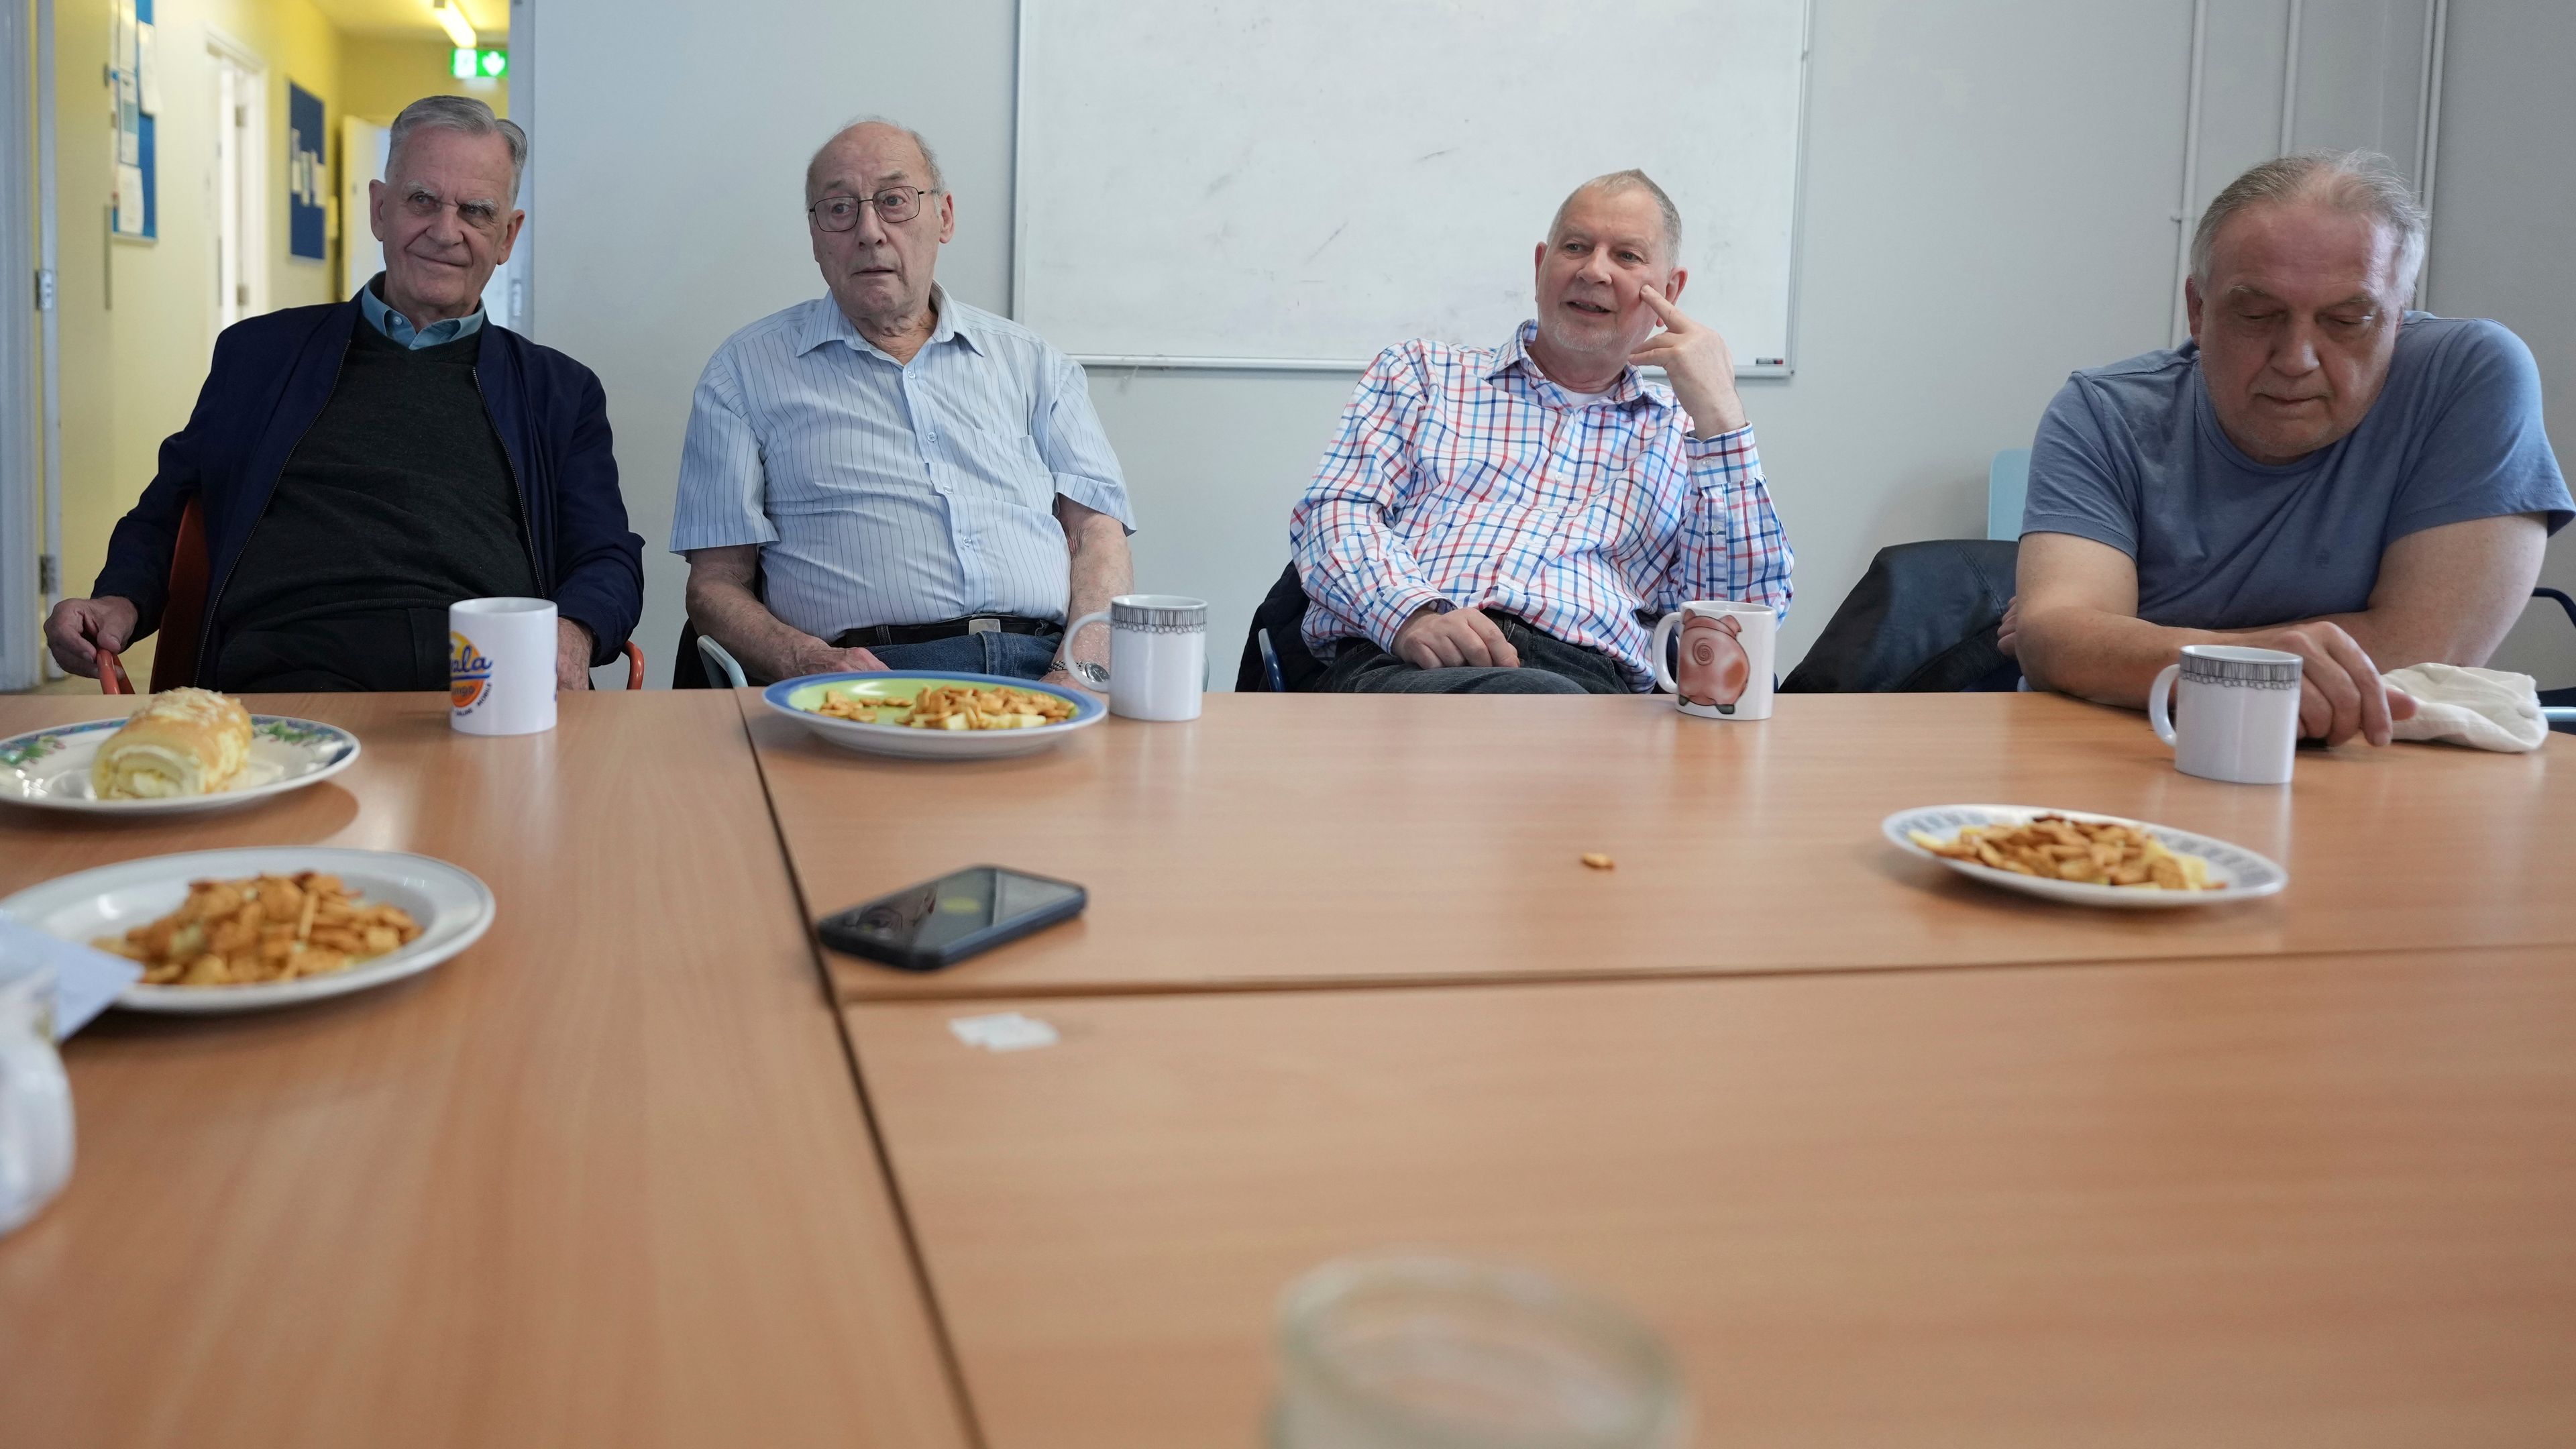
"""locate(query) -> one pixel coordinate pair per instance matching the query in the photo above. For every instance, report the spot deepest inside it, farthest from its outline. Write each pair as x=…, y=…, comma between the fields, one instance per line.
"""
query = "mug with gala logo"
x=501, y=666
x=1723, y=667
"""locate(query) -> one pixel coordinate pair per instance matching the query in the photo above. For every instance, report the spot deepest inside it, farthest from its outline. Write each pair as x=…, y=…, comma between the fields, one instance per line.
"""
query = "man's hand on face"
x=1431, y=640
x=2340, y=691
x=1695, y=358
x=79, y=628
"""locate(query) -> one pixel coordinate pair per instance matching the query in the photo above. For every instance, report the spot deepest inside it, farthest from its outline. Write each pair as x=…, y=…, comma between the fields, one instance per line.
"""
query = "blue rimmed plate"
x=797, y=698
x=49, y=768
x=2245, y=875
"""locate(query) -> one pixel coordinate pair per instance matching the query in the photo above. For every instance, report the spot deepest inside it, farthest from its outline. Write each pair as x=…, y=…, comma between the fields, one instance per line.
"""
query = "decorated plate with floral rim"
x=49, y=768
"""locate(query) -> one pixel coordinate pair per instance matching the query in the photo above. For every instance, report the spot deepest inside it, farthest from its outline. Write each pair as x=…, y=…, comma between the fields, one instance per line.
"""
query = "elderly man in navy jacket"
x=362, y=466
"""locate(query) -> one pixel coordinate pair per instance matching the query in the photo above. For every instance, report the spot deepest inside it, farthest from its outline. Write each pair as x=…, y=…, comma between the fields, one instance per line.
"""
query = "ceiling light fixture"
x=459, y=29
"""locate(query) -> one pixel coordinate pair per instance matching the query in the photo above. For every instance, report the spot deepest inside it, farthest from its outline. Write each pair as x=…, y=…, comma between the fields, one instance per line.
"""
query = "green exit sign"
x=479, y=64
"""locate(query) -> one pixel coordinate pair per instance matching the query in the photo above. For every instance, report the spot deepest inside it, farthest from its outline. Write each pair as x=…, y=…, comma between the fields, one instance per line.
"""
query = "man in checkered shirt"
x=1511, y=520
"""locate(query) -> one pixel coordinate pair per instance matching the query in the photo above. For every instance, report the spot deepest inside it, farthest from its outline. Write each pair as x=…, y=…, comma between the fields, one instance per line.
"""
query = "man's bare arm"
x=1100, y=569
x=722, y=605
x=2449, y=595
x=2076, y=630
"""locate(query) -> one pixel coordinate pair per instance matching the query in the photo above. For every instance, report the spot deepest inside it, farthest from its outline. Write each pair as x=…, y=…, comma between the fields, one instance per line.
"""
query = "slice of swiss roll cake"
x=181, y=742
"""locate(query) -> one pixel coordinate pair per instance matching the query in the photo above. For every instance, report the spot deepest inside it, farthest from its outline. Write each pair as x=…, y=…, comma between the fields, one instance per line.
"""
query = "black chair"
x=1275, y=657
x=2554, y=700
x=1923, y=620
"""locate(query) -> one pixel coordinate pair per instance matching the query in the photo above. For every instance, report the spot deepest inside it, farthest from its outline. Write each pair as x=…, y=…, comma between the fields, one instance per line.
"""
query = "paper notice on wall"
x=129, y=201
x=147, y=69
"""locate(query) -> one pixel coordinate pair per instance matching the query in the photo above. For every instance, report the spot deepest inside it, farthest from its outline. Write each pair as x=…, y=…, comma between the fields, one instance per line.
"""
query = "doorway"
x=240, y=181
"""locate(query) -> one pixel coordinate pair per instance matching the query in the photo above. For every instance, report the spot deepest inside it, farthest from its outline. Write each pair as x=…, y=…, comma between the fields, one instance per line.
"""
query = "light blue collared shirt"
x=398, y=327
x=886, y=493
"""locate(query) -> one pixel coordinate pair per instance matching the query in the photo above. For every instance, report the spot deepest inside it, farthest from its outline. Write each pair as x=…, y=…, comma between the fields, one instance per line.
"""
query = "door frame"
x=251, y=265
x=23, y=275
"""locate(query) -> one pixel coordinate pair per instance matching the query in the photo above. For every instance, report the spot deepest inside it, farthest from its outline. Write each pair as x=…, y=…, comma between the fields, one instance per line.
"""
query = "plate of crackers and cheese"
x=245, y=930
x=183, y=750
x=2084, y=858
x=934, y=715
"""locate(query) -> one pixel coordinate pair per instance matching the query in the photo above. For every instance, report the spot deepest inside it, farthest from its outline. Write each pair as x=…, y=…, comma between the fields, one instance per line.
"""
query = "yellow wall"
x=138, y=317
x=379, y=75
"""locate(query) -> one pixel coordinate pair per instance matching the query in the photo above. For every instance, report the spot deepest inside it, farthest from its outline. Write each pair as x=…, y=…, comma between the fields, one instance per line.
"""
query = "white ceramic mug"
x=2239, y=711
x=501, y=666
x=1726, y=655
x=1157, y=655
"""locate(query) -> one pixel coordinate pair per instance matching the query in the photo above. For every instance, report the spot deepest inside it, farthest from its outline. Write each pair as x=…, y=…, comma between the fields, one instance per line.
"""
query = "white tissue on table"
x=2484, y=709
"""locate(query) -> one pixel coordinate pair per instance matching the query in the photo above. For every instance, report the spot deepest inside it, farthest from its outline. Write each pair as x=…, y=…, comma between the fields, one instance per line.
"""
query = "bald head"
x=870, y=146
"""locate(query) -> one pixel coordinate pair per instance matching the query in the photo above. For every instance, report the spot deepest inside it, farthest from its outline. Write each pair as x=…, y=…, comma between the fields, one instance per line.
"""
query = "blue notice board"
x=307, y=178
x=137, y=175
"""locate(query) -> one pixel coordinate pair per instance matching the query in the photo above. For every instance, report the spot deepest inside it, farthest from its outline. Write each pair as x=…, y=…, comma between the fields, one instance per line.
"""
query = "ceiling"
x=412, y=18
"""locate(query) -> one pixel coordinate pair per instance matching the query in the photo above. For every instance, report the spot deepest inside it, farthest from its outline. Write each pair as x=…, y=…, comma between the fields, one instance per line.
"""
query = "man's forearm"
x=2114, y=659
x=1100, y=570
x=734, y=617
x=2101, y=656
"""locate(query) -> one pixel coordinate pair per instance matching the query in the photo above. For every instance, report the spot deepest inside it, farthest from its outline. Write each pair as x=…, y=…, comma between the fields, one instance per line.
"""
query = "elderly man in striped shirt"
x=885, y=477
x=1508, y=520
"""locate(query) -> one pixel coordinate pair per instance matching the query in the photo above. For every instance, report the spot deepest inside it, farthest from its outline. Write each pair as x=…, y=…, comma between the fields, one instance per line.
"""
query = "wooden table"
x=2313, y=1200
x=1314, y=840
x=602, y=1180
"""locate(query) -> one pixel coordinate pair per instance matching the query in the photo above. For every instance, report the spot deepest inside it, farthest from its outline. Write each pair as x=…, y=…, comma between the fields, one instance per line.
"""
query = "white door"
x=241, y=174
x=362, y=160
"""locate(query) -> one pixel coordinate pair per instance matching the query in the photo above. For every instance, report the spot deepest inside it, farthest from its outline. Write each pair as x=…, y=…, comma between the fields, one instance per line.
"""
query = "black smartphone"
x=942, y=922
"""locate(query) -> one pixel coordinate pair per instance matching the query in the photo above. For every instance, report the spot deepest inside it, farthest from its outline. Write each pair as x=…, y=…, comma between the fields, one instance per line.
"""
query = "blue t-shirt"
x=2131, y=455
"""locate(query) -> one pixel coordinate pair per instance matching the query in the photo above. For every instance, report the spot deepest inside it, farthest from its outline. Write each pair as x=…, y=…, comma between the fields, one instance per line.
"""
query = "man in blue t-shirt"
x=2319, y=471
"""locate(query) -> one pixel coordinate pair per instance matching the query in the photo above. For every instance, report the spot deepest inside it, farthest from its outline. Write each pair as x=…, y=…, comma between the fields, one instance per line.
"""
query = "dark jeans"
x=1017, y=656
x=1548, y=665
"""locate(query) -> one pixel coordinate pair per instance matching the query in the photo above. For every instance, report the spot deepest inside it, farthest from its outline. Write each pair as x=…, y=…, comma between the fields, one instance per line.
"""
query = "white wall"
x=2504, y=206
x=1988, y=205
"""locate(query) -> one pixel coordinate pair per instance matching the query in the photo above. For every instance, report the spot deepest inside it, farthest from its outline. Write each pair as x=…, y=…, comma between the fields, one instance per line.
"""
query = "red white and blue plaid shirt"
x=1463, y=473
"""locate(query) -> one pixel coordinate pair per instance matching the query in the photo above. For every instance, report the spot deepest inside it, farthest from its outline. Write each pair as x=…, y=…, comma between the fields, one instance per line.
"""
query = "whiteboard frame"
x=1020, y=241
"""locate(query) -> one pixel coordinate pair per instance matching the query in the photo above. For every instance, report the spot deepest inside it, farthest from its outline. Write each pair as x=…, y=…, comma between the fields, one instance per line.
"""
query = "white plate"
x=2246, y=875
x=794, y=698
x=49, y=768
x=451, y=905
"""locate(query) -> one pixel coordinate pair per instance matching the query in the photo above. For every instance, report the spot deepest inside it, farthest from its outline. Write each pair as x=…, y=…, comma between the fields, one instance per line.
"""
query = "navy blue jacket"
x=270, y=380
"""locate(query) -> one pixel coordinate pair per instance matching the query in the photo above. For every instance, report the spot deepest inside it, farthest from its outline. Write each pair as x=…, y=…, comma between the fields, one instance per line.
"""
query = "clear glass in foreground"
x=1427, y=1353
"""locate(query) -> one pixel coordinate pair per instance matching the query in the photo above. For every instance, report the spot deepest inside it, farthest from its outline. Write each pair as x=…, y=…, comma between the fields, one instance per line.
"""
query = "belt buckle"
x=982, y=625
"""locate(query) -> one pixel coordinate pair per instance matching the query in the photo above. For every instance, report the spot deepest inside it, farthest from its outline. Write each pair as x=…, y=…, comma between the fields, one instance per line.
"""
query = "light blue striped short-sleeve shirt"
x=890, y=494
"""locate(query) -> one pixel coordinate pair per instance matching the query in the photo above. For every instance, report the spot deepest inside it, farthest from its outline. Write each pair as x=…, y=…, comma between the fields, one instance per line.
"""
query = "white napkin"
x=2485, y=709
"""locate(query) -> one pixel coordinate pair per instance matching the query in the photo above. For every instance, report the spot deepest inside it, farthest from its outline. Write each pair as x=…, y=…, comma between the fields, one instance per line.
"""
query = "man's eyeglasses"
x=895, y=204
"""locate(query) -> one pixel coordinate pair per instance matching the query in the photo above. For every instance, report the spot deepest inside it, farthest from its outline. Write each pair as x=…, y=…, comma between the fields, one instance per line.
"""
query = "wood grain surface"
x=604, y=1179
x=2316, y=1200
x=1318, y=840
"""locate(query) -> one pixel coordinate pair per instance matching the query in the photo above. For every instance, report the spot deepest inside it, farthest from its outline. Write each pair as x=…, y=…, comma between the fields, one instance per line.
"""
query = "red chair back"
x=183, y=618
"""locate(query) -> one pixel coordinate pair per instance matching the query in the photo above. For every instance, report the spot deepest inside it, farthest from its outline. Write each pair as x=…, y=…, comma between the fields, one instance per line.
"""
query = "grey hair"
x=1631, y=179
x=2364, y=182
x=815, y=164
x=462, y=114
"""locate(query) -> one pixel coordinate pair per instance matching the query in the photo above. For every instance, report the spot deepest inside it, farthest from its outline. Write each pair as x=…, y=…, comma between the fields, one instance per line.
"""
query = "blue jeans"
x=1018, y=656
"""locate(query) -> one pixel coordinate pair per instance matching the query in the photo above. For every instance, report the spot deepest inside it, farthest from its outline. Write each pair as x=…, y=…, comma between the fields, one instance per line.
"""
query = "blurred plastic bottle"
x=35, y=1097
x=1427, y=1353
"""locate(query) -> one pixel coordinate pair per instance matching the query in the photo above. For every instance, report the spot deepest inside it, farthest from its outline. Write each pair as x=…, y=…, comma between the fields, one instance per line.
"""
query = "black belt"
x=876, y=634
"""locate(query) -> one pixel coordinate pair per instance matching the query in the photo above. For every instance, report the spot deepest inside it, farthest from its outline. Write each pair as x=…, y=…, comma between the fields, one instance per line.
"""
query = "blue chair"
x=2007, y=484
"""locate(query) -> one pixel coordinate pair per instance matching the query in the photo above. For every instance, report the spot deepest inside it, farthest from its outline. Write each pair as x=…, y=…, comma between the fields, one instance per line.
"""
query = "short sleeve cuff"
x=722, y=533
x=2081, y=527
x=1097, y=495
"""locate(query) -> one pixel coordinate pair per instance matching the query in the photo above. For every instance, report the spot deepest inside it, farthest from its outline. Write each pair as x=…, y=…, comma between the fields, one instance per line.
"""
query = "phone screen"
x=933, y=919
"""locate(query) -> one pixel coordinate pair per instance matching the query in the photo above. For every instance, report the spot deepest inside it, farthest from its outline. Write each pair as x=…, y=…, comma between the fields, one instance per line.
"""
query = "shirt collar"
x=828, y=323
x=397, y=327
x=1630, y=388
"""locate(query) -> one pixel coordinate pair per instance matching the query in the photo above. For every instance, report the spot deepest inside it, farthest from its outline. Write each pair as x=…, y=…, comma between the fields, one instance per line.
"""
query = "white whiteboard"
x=1300, y=183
